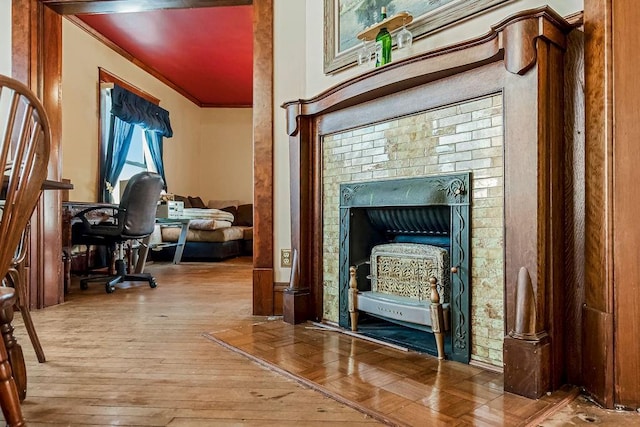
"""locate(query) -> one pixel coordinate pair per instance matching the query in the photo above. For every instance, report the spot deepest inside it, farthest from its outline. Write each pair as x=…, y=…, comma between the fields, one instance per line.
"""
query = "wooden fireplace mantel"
x=521, y=58
x=513, y=40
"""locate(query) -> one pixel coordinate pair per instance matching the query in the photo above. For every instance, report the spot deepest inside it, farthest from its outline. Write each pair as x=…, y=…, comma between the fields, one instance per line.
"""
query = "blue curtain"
x=124, y=110
x=154, y=141
x=138, y=111
x=120, y=135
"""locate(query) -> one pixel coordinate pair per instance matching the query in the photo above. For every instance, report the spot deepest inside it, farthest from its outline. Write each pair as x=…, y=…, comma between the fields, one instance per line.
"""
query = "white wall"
x=299, y=31
x=225, y=166
x=5, y=37
x=290, y=39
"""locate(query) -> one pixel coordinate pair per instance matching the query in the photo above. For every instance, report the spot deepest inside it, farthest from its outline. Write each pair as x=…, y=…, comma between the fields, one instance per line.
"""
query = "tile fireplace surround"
x=493, y=107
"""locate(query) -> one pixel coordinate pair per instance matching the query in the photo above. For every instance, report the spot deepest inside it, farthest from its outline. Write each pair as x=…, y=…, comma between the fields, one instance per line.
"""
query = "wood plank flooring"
x=141, y=357
x=137, y=357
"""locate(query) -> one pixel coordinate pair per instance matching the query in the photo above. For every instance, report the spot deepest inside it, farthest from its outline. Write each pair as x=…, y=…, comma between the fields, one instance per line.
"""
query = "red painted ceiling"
x=207, y=52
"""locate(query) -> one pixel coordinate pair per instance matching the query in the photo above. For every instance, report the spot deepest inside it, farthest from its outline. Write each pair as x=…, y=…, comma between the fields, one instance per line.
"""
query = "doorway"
x=29, y=59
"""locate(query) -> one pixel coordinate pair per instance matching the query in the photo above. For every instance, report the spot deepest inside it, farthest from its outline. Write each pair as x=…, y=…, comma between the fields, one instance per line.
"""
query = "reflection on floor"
x=394, y=386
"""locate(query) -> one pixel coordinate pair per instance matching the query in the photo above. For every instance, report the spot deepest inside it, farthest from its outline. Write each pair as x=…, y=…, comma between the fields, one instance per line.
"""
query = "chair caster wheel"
x=153, y=284
x=84, y=286
x=110, y=289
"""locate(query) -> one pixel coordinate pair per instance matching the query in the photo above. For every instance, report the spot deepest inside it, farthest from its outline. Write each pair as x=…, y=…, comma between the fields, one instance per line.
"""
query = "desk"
x=183, y=223
x=69, y=210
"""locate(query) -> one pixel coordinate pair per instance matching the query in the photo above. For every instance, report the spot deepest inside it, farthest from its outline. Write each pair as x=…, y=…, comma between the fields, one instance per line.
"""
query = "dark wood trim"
x=263, y=156
x=597, y=324
x=73, y=7
x=105, y=76
x=209, y=105
x=37, y=61
x=278, y=291
x=626, y=232
x=575, y=19
x=117, y=49
x=263, y=293
x=522, y=58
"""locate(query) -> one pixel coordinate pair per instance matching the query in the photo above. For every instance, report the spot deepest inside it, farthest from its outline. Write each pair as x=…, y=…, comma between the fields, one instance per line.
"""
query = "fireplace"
x=518, y=65
x=395, y=217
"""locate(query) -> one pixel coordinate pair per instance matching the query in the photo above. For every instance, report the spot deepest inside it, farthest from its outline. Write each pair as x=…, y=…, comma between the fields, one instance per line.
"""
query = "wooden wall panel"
x=597, y=363
x=37, y=61
x=574, y=204
x=626, y=175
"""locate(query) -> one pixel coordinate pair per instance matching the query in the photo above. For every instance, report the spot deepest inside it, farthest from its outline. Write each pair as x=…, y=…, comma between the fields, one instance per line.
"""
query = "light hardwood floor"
x=138, y=357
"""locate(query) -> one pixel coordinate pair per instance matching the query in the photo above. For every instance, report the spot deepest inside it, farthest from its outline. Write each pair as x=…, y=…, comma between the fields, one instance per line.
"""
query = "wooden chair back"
x=25, y=139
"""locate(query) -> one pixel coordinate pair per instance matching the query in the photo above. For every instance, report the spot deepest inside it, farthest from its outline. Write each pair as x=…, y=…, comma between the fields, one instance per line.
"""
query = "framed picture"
x=344, y=19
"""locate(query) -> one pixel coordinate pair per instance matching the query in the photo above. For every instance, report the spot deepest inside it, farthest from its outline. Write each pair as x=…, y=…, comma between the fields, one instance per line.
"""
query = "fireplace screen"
x=395, y=236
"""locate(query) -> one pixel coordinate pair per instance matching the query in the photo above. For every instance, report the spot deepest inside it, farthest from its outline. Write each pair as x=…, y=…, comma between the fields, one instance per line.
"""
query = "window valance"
x=131, y=108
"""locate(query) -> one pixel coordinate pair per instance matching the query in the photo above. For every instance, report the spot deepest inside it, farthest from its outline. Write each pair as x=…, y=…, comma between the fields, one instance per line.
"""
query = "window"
x=131, y=131
x=138, y=160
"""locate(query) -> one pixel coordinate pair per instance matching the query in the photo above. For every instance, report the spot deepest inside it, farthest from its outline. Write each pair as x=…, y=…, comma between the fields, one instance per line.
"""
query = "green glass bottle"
x=383, y=42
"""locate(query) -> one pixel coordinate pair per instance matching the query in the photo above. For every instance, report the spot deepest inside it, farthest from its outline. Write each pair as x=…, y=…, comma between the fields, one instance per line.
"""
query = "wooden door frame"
x=27, y=64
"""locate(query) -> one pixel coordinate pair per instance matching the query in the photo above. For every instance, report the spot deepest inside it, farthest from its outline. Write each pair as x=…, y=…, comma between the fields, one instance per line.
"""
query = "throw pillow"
x=182, y=199
x=196, y=202
x=219, y=204
x=233, y=210
x=245, y=215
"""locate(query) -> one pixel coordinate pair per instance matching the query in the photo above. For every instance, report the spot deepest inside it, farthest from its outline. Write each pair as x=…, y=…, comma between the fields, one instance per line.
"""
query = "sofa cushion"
x=245, y=215
x=171, y=234
x=196, y=213
x=196, y=202
x=247, y=232
x=208, y=224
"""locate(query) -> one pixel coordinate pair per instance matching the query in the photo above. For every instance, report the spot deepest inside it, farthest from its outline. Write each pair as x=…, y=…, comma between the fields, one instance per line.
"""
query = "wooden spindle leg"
x=437, y=317
x=353, y=298
x=15, y=355
x=9, y=395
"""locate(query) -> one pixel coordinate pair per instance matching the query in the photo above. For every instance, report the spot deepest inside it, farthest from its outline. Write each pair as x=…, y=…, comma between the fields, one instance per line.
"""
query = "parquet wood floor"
x=394, y=386
x=142, y=357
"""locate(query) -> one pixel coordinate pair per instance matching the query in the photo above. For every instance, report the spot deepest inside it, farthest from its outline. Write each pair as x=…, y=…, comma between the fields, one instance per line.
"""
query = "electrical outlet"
x=285, y=258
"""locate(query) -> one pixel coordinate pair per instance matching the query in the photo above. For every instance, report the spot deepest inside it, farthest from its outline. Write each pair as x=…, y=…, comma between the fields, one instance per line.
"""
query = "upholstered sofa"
x=229, y=236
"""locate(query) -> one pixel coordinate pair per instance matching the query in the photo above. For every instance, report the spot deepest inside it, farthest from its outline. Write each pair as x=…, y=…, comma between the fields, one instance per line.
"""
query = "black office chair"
x=132, y=219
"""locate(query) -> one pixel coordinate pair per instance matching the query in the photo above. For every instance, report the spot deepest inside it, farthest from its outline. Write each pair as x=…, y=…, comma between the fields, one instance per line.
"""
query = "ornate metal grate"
x=404, y=269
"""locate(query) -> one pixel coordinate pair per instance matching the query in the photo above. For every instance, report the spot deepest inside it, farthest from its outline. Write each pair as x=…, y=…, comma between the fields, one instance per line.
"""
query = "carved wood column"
x=37, y=61
x=297, y=298
x=533, y=348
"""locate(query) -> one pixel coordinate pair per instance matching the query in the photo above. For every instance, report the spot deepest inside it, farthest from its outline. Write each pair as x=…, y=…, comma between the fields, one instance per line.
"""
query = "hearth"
x=399, y=226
